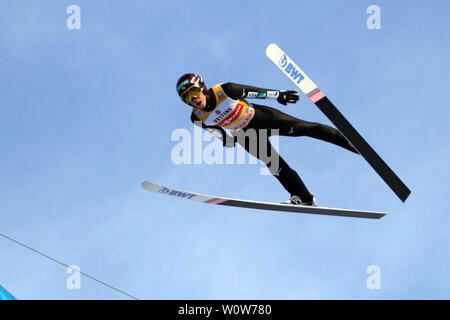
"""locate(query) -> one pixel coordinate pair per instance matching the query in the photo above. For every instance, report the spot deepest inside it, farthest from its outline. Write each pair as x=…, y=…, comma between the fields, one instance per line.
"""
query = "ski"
x=318, y=97
x=189, y=195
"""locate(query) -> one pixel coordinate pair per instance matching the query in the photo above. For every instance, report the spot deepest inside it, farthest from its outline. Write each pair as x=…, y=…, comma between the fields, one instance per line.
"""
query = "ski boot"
x=295, y=200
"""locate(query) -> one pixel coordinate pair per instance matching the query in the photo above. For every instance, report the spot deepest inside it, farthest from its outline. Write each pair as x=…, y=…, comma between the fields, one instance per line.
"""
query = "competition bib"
x=229, y=113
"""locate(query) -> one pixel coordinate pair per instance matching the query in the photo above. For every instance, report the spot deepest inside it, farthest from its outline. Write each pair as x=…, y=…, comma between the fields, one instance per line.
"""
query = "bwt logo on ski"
x=176, y=193
x=289, y=68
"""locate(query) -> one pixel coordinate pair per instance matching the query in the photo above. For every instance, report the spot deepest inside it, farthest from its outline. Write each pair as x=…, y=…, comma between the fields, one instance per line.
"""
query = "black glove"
x=288, y=96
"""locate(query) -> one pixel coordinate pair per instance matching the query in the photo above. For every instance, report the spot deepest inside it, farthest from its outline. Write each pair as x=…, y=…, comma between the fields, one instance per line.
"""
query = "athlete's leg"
x=287, y=125
x=288, y=177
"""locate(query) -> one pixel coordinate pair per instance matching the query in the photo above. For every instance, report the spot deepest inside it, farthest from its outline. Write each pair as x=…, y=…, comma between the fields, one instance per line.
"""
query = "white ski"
x=176, y=193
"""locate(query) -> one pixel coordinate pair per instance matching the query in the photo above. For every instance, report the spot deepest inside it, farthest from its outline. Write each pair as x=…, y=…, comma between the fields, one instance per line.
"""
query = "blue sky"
x=86, y=116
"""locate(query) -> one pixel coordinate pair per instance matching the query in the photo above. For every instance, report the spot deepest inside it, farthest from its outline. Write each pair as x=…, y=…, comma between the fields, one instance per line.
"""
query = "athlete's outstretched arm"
x=237, y=91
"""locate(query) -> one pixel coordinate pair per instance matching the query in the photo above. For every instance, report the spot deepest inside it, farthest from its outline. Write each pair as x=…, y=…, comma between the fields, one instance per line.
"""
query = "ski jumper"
x=227, y=107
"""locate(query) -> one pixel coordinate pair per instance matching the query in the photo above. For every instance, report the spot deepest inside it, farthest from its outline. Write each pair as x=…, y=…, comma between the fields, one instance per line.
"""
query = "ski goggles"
x=192, y=93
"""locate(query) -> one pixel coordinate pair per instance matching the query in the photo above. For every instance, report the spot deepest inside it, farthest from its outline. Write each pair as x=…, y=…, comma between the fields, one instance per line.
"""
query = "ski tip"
x=271, y=47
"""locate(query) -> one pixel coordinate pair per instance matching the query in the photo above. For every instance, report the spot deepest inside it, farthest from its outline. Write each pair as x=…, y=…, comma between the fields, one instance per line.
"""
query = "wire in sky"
x=66, y=265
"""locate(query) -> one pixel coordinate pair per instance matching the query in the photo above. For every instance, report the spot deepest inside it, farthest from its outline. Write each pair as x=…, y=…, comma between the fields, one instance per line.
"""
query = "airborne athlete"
x=225, y=106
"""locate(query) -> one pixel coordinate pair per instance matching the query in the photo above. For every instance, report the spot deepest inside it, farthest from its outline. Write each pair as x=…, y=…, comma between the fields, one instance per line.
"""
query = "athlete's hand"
x=288, y=96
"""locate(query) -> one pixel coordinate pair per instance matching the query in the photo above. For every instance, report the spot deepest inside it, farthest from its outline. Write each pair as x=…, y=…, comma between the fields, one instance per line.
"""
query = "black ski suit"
x=271, y=118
